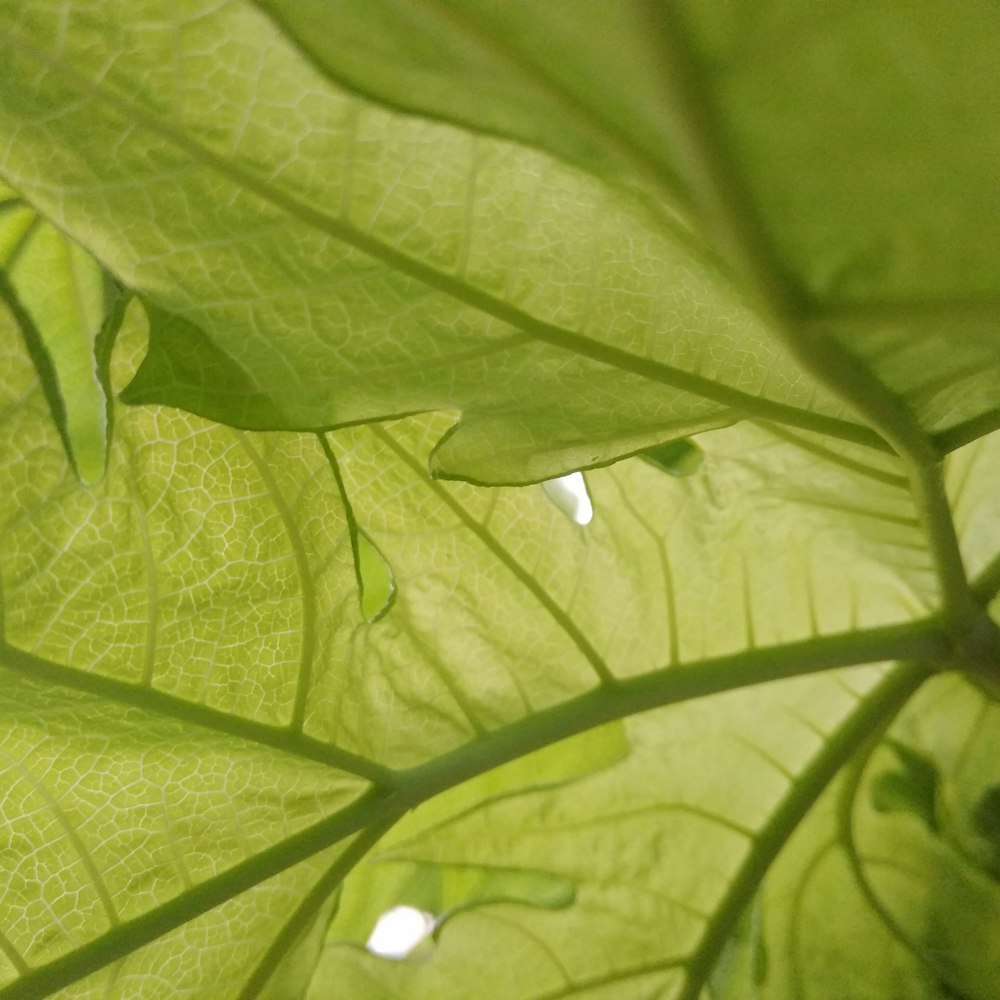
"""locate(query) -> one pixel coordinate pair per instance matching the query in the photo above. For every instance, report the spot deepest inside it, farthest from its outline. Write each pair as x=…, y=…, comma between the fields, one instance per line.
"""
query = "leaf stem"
x=877, y=712
x=845, y=824
x=669, y=686
x=959, y=606
x=309, y=908
x=414, y=786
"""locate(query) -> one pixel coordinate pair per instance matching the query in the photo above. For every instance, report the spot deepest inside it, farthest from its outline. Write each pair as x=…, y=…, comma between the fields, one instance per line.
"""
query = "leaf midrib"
x=743, y=403
x=874, y=713
x=921, y=641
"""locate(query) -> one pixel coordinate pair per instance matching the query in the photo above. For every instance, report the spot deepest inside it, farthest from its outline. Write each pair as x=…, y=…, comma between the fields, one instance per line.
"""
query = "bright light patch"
x=398, y=931
x=569, y=494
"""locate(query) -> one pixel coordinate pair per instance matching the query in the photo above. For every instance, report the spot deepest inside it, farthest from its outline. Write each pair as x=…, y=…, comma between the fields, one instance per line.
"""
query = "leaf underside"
x=300, y=302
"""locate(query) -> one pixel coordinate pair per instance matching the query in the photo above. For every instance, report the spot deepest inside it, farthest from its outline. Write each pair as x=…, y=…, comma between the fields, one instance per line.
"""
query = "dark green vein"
x=603, y=704
x=741, y=402
x=924, y=641
x=308, y=909
x=522, y=576
x=150, y=700
x=12, y=955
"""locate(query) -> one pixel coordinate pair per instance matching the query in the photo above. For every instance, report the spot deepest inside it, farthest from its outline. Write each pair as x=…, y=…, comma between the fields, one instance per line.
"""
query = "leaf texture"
x=274, y=656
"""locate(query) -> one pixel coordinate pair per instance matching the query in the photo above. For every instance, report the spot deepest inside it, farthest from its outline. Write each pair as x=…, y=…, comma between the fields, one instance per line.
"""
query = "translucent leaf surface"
x=66, y=311
x=872, y=902
x=660, y=860
x=617, y=325
x=416, y=260
x=271, y=668
x=210, y=582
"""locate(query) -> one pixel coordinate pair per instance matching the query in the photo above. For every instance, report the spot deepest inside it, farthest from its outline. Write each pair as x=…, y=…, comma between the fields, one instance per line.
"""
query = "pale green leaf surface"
x=653, y=853
x=504, y=606
x=232, y=629
x=214, y=954
x=867, y=899
x=183, y=574
x=419, y=268
x=441, y=890
x=207, y=549
x=214, y=568
x=208, y=564
x=110, y=812
x=60, y=291
x=970, y=478
x=842, y=159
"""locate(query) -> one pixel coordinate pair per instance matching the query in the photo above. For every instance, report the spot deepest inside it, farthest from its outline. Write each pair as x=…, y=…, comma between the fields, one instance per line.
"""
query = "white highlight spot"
x=569, y=494
x=398, y=931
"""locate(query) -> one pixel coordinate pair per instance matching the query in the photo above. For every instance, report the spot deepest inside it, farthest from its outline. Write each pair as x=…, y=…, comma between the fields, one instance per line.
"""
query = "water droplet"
x=399, y=930
x=569, y=494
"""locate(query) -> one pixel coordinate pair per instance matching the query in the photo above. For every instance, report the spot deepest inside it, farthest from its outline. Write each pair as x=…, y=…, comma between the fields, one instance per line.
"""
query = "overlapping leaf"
x=843, y=158
x=416, y=259
x=66, y=311
x=379, y=264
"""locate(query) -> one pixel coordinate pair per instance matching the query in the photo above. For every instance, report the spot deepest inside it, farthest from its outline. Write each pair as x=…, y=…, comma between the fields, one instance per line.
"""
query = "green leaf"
x=679, y=458
x=280, y=662
x=68, y=317
x=210, y=580
x=474, y=246
x=912, y=788
x=661, y=865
